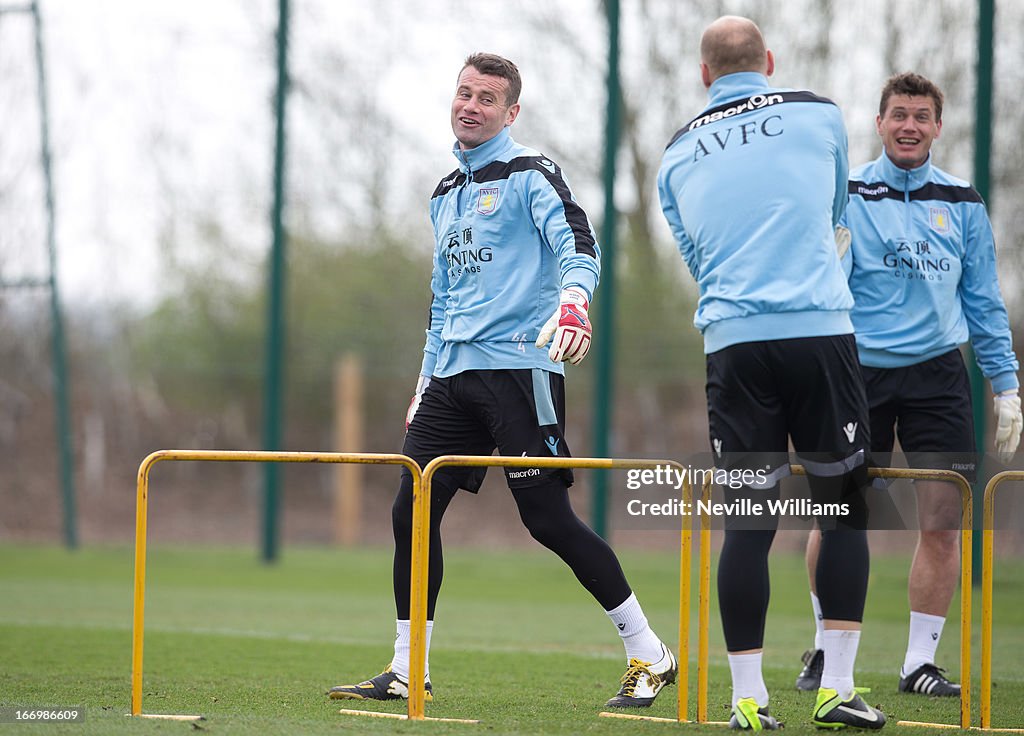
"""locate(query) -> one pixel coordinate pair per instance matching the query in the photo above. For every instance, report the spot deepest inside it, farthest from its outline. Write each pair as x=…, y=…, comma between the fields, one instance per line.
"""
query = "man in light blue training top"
x=752, y=189
x=922, y=268
x=515, y=266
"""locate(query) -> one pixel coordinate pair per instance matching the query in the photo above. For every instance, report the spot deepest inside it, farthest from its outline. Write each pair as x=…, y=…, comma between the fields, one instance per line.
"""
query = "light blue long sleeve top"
x=922, y=269
x=752, y=189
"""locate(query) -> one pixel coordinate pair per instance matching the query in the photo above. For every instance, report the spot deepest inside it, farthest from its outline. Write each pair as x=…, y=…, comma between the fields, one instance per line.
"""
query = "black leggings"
x=744, y=587
x=841, y=576
x=546, y=512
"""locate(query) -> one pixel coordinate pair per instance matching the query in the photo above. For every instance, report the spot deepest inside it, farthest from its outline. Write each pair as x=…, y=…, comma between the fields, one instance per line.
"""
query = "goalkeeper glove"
x=842, y=240
x=421, y=386
x=569, y=326
x=1008, y=424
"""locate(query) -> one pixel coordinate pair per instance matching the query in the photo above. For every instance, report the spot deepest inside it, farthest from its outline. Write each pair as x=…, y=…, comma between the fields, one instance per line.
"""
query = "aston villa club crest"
x=939, y=217
x=487, y=201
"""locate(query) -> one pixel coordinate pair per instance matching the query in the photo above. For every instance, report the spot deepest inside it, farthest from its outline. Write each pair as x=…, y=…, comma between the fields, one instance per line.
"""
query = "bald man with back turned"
x=753, y=189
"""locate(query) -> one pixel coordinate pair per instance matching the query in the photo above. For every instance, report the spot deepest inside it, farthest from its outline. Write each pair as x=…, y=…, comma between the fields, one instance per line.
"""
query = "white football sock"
x=819, y=623
x=925, y=633
x=637, y=636
x=840, y=656
x=747, y=680
x=400, y=663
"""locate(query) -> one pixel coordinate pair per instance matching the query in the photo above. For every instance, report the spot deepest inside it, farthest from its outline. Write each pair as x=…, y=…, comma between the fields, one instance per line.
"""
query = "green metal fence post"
x=61, y=393
x=604, y=382
x=982, y=178
x=273, y=417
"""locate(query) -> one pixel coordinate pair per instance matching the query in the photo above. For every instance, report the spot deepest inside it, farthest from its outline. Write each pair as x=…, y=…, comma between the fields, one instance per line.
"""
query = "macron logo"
x=547, y=164
x=880, y=189
x=755, y=102
x=850, y=430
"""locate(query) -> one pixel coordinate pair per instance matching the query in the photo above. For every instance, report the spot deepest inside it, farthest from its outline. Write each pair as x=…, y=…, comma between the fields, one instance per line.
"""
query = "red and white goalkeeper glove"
x=569, y=326
x=421, y=386
x=1008, y=424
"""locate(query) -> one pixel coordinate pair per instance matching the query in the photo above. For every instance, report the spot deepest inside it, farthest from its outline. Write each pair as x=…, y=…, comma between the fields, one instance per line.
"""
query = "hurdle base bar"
x=920, y=724
x=166, y=717
x=631, y=717
x=657, y=719
x=924, y=724
x=401, y=716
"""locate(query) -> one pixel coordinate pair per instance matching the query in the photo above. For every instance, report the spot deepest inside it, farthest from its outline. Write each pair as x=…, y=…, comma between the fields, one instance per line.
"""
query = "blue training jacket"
x=922, y=268
x=752, y=189
x=508, y=237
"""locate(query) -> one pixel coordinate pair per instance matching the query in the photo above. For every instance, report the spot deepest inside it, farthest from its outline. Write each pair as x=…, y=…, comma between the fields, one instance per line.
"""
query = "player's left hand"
x=1008, y=424
x=843, y=238
x=421, y=386
x=569, y=326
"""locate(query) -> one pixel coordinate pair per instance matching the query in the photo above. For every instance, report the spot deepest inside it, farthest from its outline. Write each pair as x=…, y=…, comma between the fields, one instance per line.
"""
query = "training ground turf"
x=518, y=644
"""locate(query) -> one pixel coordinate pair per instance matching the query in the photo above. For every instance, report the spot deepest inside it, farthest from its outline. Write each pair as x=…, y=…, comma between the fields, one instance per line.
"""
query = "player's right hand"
x=421, y=386
x=569, y=326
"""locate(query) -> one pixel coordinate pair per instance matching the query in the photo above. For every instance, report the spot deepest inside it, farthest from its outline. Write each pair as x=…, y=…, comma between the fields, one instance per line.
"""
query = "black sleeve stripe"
x=754, y=103
x=574, y=214
x=451, y=181
x=498, y=170
x=494, y=171
x=930, y=192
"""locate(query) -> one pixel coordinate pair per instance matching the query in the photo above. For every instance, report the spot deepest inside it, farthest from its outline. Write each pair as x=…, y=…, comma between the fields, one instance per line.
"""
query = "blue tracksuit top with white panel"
x=752, y=189
x=508, y=237
x=922, y=268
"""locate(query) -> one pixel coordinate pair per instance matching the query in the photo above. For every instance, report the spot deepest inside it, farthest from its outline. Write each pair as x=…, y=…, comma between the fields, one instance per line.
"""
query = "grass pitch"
x=518, y=644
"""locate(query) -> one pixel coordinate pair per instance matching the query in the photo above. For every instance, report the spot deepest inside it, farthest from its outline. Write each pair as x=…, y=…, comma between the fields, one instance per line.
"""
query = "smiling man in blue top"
x=515, y=266
x=752, y=189
x=922, y=267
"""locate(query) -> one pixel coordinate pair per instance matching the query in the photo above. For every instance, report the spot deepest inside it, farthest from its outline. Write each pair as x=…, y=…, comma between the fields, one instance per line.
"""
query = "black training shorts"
x=809, y=389
x=928, y=407
x=518, y=411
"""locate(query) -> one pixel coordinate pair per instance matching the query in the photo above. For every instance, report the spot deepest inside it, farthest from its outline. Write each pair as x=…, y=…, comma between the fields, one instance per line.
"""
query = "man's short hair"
x=732, y=44
x=911, y=85
x=497, y=66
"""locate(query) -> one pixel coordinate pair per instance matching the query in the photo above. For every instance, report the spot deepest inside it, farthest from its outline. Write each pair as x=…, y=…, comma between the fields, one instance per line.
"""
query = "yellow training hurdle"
x=966, y=536
x=420, y=562
x=987, y=559
x=703, y=619
x=141, y=513
x=421, y=546
x=704, y=598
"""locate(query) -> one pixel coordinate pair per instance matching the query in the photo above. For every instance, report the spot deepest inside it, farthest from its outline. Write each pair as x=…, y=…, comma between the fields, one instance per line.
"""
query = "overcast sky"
x=118, y=73
x=161, y=113
x=159, y=109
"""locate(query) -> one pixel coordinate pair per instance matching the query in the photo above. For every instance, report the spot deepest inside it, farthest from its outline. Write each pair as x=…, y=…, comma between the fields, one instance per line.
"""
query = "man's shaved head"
x=733, y=44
